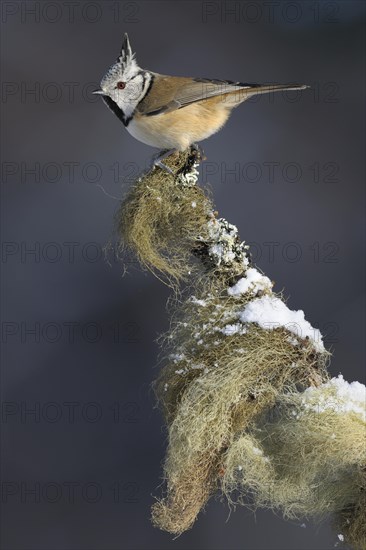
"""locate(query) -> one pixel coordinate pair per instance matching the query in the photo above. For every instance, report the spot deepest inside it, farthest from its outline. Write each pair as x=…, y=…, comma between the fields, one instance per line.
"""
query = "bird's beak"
x=100, y=92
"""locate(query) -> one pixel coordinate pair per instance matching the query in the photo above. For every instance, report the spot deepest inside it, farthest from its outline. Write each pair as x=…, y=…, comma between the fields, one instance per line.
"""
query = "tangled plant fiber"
x=162, y=218
x=248, y=403
x=273, y=453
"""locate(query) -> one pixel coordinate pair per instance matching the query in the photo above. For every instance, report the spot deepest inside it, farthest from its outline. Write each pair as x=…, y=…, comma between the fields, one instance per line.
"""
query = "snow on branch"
x=249, y=406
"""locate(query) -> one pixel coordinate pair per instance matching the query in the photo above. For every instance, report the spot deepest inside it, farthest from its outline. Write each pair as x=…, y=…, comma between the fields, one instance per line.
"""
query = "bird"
x=172, y=113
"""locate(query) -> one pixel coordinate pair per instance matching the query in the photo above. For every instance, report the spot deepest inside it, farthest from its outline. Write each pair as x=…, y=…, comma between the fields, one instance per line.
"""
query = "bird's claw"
x=158, y=160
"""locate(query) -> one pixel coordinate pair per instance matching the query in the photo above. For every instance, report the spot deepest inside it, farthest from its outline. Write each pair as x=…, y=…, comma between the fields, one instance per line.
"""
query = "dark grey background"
x=313, y=226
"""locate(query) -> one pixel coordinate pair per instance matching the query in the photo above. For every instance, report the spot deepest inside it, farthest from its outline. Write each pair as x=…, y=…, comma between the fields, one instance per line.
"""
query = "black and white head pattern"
x=125, y=84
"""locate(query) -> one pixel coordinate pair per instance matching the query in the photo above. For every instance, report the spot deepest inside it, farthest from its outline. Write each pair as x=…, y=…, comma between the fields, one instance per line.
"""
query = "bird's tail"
x=268, y=88
x=240, y=95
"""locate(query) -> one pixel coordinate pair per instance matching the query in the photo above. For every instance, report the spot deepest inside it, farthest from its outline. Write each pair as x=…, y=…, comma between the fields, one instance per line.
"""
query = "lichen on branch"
x=249, y=406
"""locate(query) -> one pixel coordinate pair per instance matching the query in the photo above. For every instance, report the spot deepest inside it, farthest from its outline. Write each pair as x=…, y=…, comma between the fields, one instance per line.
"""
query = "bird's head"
x=125, y=84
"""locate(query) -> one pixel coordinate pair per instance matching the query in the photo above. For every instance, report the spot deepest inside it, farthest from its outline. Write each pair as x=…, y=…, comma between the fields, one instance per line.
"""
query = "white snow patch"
x=229, y=330
x=343, y=397
x=253, y=282
x=269, y=312
x=257, y=451
x=221, y=253
x=176, y=357
x=195, y=300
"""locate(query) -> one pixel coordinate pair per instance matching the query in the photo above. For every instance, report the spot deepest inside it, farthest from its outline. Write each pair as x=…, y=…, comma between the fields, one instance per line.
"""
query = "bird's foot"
x=197, y=152
x=157, y=161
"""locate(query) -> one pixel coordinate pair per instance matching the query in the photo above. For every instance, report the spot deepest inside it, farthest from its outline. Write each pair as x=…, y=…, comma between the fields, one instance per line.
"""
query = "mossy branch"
x=244, y=387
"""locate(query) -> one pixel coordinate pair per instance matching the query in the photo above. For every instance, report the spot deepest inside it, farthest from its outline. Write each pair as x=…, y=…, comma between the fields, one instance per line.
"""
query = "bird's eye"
x=121, y=85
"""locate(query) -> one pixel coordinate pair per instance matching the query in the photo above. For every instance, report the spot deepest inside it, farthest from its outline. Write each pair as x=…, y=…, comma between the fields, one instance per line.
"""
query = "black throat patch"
x=116, y=110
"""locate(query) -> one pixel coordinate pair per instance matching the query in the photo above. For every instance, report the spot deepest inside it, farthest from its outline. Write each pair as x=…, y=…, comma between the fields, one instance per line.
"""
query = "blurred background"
x=82, y=439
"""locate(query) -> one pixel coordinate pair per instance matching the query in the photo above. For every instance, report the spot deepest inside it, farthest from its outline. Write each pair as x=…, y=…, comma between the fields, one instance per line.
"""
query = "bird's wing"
x=203, y=88
x=169, y=93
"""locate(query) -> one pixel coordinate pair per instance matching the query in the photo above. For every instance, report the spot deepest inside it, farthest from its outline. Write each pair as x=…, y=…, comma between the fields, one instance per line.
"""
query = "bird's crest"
x=125, y=67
